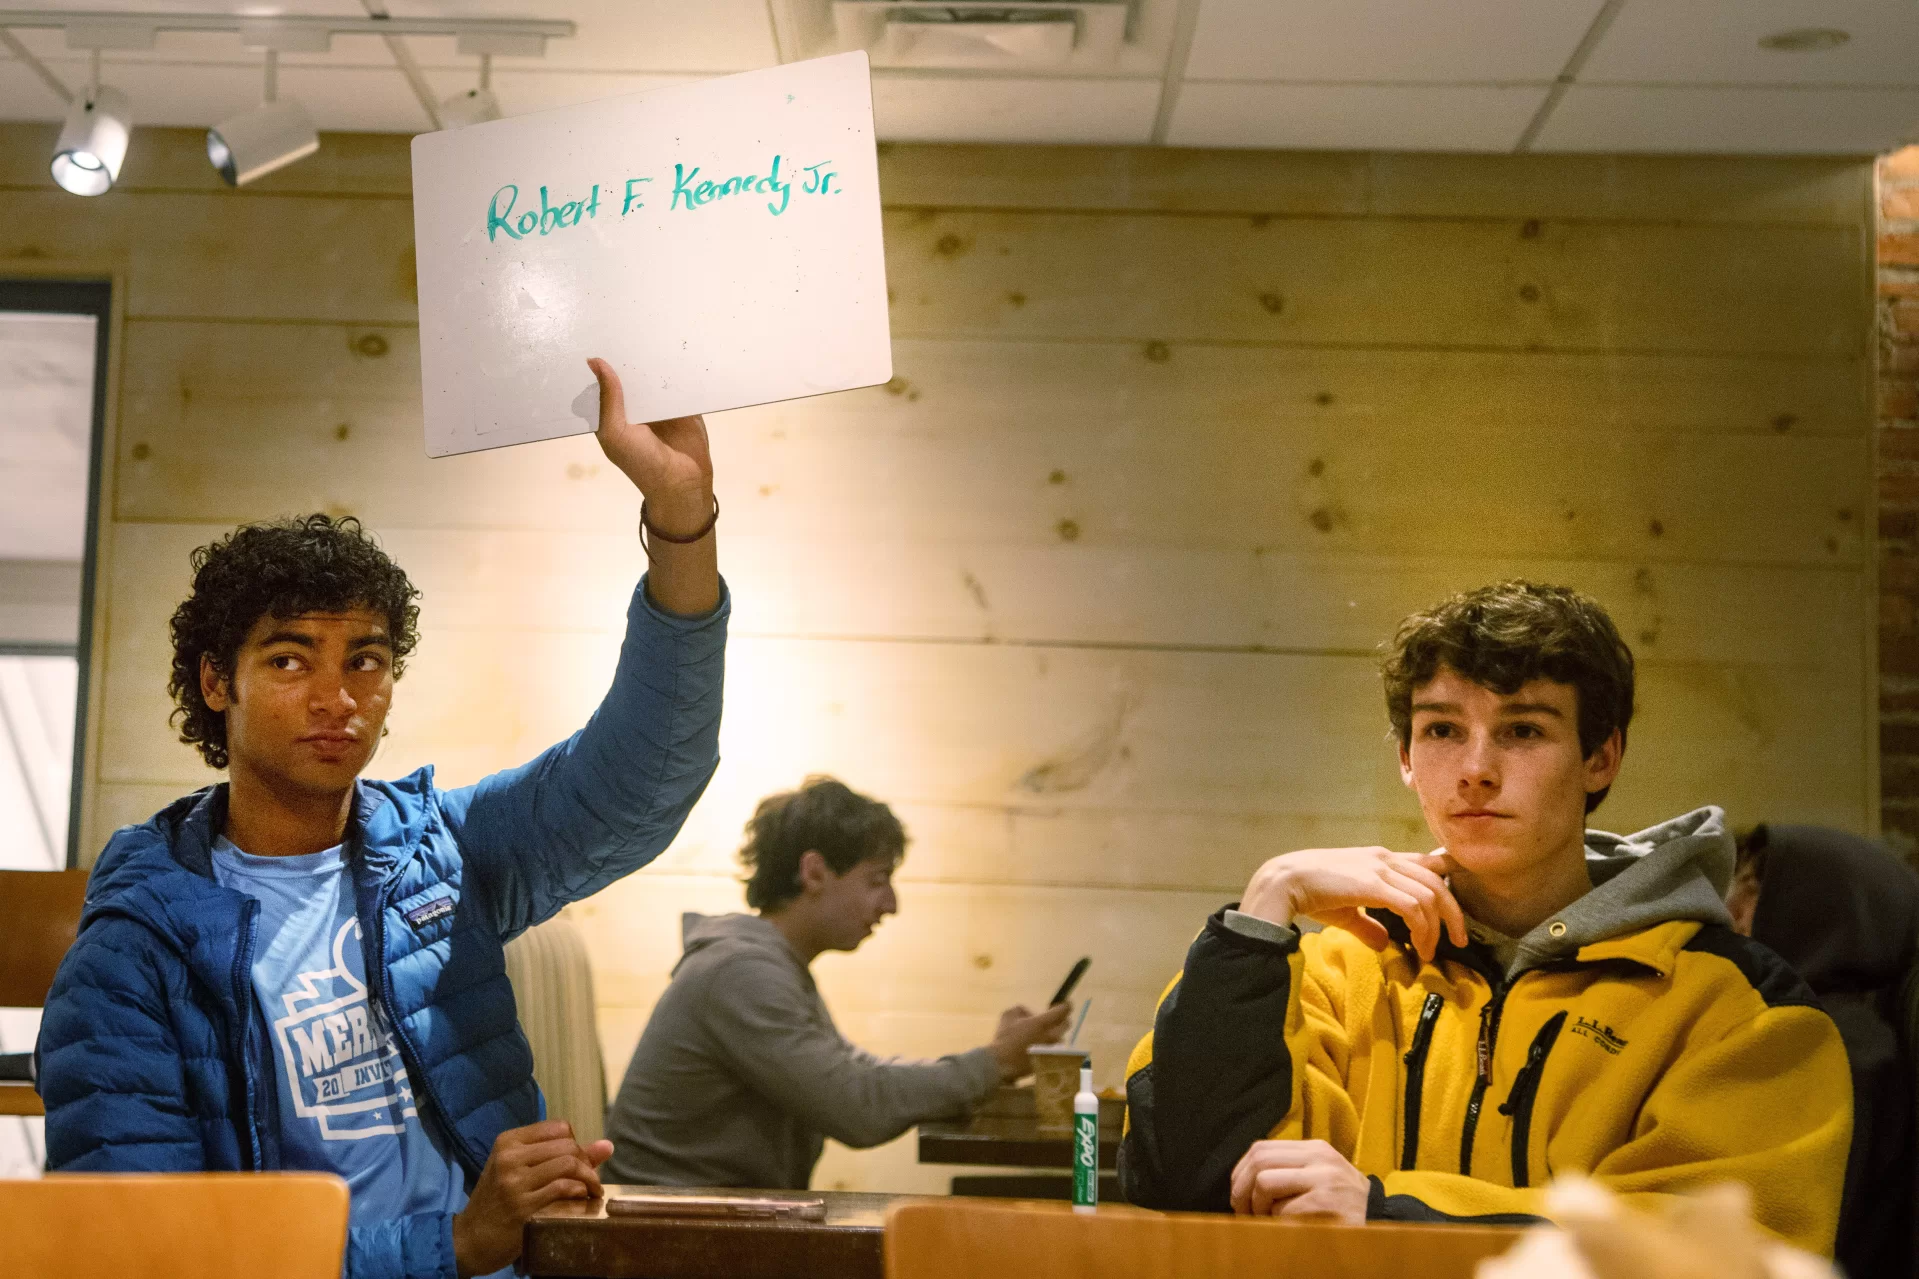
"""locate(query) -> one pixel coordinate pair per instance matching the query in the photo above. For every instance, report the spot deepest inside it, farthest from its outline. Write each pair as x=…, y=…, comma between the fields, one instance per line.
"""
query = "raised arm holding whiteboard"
x=717, y=243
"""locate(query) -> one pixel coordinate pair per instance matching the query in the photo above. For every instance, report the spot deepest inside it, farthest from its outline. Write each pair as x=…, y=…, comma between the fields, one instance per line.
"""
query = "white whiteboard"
x=718, y=243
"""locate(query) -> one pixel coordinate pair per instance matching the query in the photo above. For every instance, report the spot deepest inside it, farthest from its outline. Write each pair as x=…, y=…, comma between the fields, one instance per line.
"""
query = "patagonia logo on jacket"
x=428, y=912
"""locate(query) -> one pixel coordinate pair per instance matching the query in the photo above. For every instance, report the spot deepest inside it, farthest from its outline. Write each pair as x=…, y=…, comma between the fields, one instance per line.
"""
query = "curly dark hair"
x=823, y=815
x=1503, y=635
x=279, y=568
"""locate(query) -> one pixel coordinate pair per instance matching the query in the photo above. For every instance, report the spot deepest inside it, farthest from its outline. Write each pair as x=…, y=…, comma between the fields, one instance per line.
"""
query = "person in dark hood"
x=1844, y=912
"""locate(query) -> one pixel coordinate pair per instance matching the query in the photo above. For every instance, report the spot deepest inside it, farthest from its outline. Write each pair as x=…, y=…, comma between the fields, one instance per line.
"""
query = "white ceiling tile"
x=522, y=91
x=370, y=99
x=632, y=35
x=202, y=48
x=249, y=7
x=1732, y=121
x=613, y=35
x=1381, y=40
x=1353, y=117
x=922, y=108
x=1711, y=41
x=23, y=97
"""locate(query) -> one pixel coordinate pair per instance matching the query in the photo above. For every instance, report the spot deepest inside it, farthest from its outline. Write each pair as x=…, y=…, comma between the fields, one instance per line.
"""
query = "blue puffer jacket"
x=153, y=1054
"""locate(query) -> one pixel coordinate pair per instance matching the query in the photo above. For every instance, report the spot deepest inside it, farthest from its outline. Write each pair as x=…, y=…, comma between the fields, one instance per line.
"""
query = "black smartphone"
x=1072, y=980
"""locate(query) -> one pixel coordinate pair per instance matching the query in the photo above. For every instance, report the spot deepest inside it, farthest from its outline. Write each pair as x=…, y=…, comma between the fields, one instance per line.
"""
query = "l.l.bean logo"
x=1601, y=1035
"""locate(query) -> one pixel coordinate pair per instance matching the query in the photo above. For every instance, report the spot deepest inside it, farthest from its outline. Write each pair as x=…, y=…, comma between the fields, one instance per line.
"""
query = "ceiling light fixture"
x=969, y=33
x=475, y=106
x=93, y=141
x=1805, y=40
x=271, y=136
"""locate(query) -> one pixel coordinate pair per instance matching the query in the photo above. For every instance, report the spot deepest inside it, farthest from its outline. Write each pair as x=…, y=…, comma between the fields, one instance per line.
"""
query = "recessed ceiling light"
x=1805, y=40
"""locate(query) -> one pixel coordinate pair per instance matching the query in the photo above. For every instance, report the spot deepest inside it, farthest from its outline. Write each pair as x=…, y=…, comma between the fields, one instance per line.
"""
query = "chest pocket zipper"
x=1416, y=1076
x=1519, y=1102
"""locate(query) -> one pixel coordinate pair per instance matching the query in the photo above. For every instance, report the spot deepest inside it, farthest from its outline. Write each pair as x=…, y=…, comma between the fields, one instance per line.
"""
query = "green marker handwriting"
x=690, y=192
x=819, y=183
x=550, y=218
x=704, y=192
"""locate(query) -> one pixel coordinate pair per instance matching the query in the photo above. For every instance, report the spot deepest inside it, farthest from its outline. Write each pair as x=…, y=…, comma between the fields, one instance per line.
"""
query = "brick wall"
x=1899, y=499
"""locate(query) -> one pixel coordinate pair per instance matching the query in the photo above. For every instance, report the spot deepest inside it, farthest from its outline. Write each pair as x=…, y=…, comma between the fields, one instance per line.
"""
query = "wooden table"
x=958, y=1239
x=19, y=1099
x=577, y=1238
x=1005, y=1132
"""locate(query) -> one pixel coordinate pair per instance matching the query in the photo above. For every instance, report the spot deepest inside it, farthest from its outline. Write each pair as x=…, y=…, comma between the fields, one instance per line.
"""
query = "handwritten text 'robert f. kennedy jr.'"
x=690, y=192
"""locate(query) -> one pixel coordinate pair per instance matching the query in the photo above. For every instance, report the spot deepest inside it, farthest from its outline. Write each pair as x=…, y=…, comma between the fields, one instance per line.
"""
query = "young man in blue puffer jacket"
x=299, y=969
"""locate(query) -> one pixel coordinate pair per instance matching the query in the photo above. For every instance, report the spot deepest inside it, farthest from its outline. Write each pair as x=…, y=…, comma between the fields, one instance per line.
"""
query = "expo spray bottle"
x=1085, y=1143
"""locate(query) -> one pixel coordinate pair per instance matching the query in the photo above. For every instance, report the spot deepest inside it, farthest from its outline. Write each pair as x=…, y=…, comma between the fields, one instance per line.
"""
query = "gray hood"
x=721, y=938
x=698, y=931
x=1679, y=869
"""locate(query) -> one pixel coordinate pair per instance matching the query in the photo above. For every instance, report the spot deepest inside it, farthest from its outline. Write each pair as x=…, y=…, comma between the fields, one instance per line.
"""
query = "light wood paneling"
x=1783, y=290
x=1125, y=596
x=293, y=260
x=280, y=394
x=954, y=950
x=1694, y=189
x=118, y=804
x=1050, y=444
x=347, y=165
x=1091, y=591
x=1046, y=728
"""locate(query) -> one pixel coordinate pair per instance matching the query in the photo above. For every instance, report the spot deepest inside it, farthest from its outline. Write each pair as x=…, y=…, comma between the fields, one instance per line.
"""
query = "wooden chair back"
x=552, y=980
x=39, y=918
x=957, y=1240
x=208, y=1225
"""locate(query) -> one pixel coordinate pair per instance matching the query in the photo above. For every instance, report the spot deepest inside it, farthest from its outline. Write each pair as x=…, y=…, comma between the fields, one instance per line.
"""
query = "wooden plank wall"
x=1091, y=590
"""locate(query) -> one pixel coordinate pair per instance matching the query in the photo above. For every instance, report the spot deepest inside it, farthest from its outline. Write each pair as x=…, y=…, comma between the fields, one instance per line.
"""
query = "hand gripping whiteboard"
x=718, y=243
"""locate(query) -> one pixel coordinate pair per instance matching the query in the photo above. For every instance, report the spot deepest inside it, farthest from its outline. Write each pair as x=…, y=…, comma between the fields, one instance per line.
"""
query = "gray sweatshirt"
x=741, y=1075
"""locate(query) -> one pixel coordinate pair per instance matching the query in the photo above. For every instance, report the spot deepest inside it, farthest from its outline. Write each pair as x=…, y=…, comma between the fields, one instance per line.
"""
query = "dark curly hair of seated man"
x=278, y=568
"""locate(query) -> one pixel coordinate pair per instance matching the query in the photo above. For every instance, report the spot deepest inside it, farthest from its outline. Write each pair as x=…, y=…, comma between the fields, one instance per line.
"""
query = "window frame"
x=75, y=295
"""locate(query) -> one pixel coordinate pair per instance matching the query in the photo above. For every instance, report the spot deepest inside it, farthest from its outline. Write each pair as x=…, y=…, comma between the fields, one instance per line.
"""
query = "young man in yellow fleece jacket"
x=1533, y=999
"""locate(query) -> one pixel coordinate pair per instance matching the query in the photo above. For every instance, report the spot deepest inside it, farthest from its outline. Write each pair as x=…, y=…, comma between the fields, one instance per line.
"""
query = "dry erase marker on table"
x=1085, y=1143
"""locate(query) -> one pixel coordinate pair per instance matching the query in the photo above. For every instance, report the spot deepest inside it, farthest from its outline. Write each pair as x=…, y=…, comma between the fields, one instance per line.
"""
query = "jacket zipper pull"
x=1527, y=1080
x=1486, y=1044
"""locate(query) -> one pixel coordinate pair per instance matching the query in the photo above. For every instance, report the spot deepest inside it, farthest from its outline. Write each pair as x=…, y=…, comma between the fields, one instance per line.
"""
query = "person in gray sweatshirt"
x=740, y=1075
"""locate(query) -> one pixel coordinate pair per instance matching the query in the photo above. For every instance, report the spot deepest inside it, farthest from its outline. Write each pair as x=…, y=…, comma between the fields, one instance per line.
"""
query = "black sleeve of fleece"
x=1381, y=1206
x=1220, y=1077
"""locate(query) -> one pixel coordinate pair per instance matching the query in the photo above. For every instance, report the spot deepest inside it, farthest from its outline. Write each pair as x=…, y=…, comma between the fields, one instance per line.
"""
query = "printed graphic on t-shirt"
x=341, y=1061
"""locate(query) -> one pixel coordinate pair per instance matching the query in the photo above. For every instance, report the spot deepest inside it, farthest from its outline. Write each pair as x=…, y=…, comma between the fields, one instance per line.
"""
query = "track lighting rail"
x=294, y=32
x=99, y=123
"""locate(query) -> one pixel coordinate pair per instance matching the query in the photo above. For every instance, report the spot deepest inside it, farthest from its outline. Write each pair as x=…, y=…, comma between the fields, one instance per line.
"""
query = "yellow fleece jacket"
x=1664, y=1059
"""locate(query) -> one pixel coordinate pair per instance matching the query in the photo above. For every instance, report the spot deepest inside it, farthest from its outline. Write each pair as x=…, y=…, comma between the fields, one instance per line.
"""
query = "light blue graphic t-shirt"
x=345, y=1103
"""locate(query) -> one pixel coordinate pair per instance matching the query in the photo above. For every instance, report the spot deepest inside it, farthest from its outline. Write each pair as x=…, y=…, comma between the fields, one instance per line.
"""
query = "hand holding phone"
x=1072, y=979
